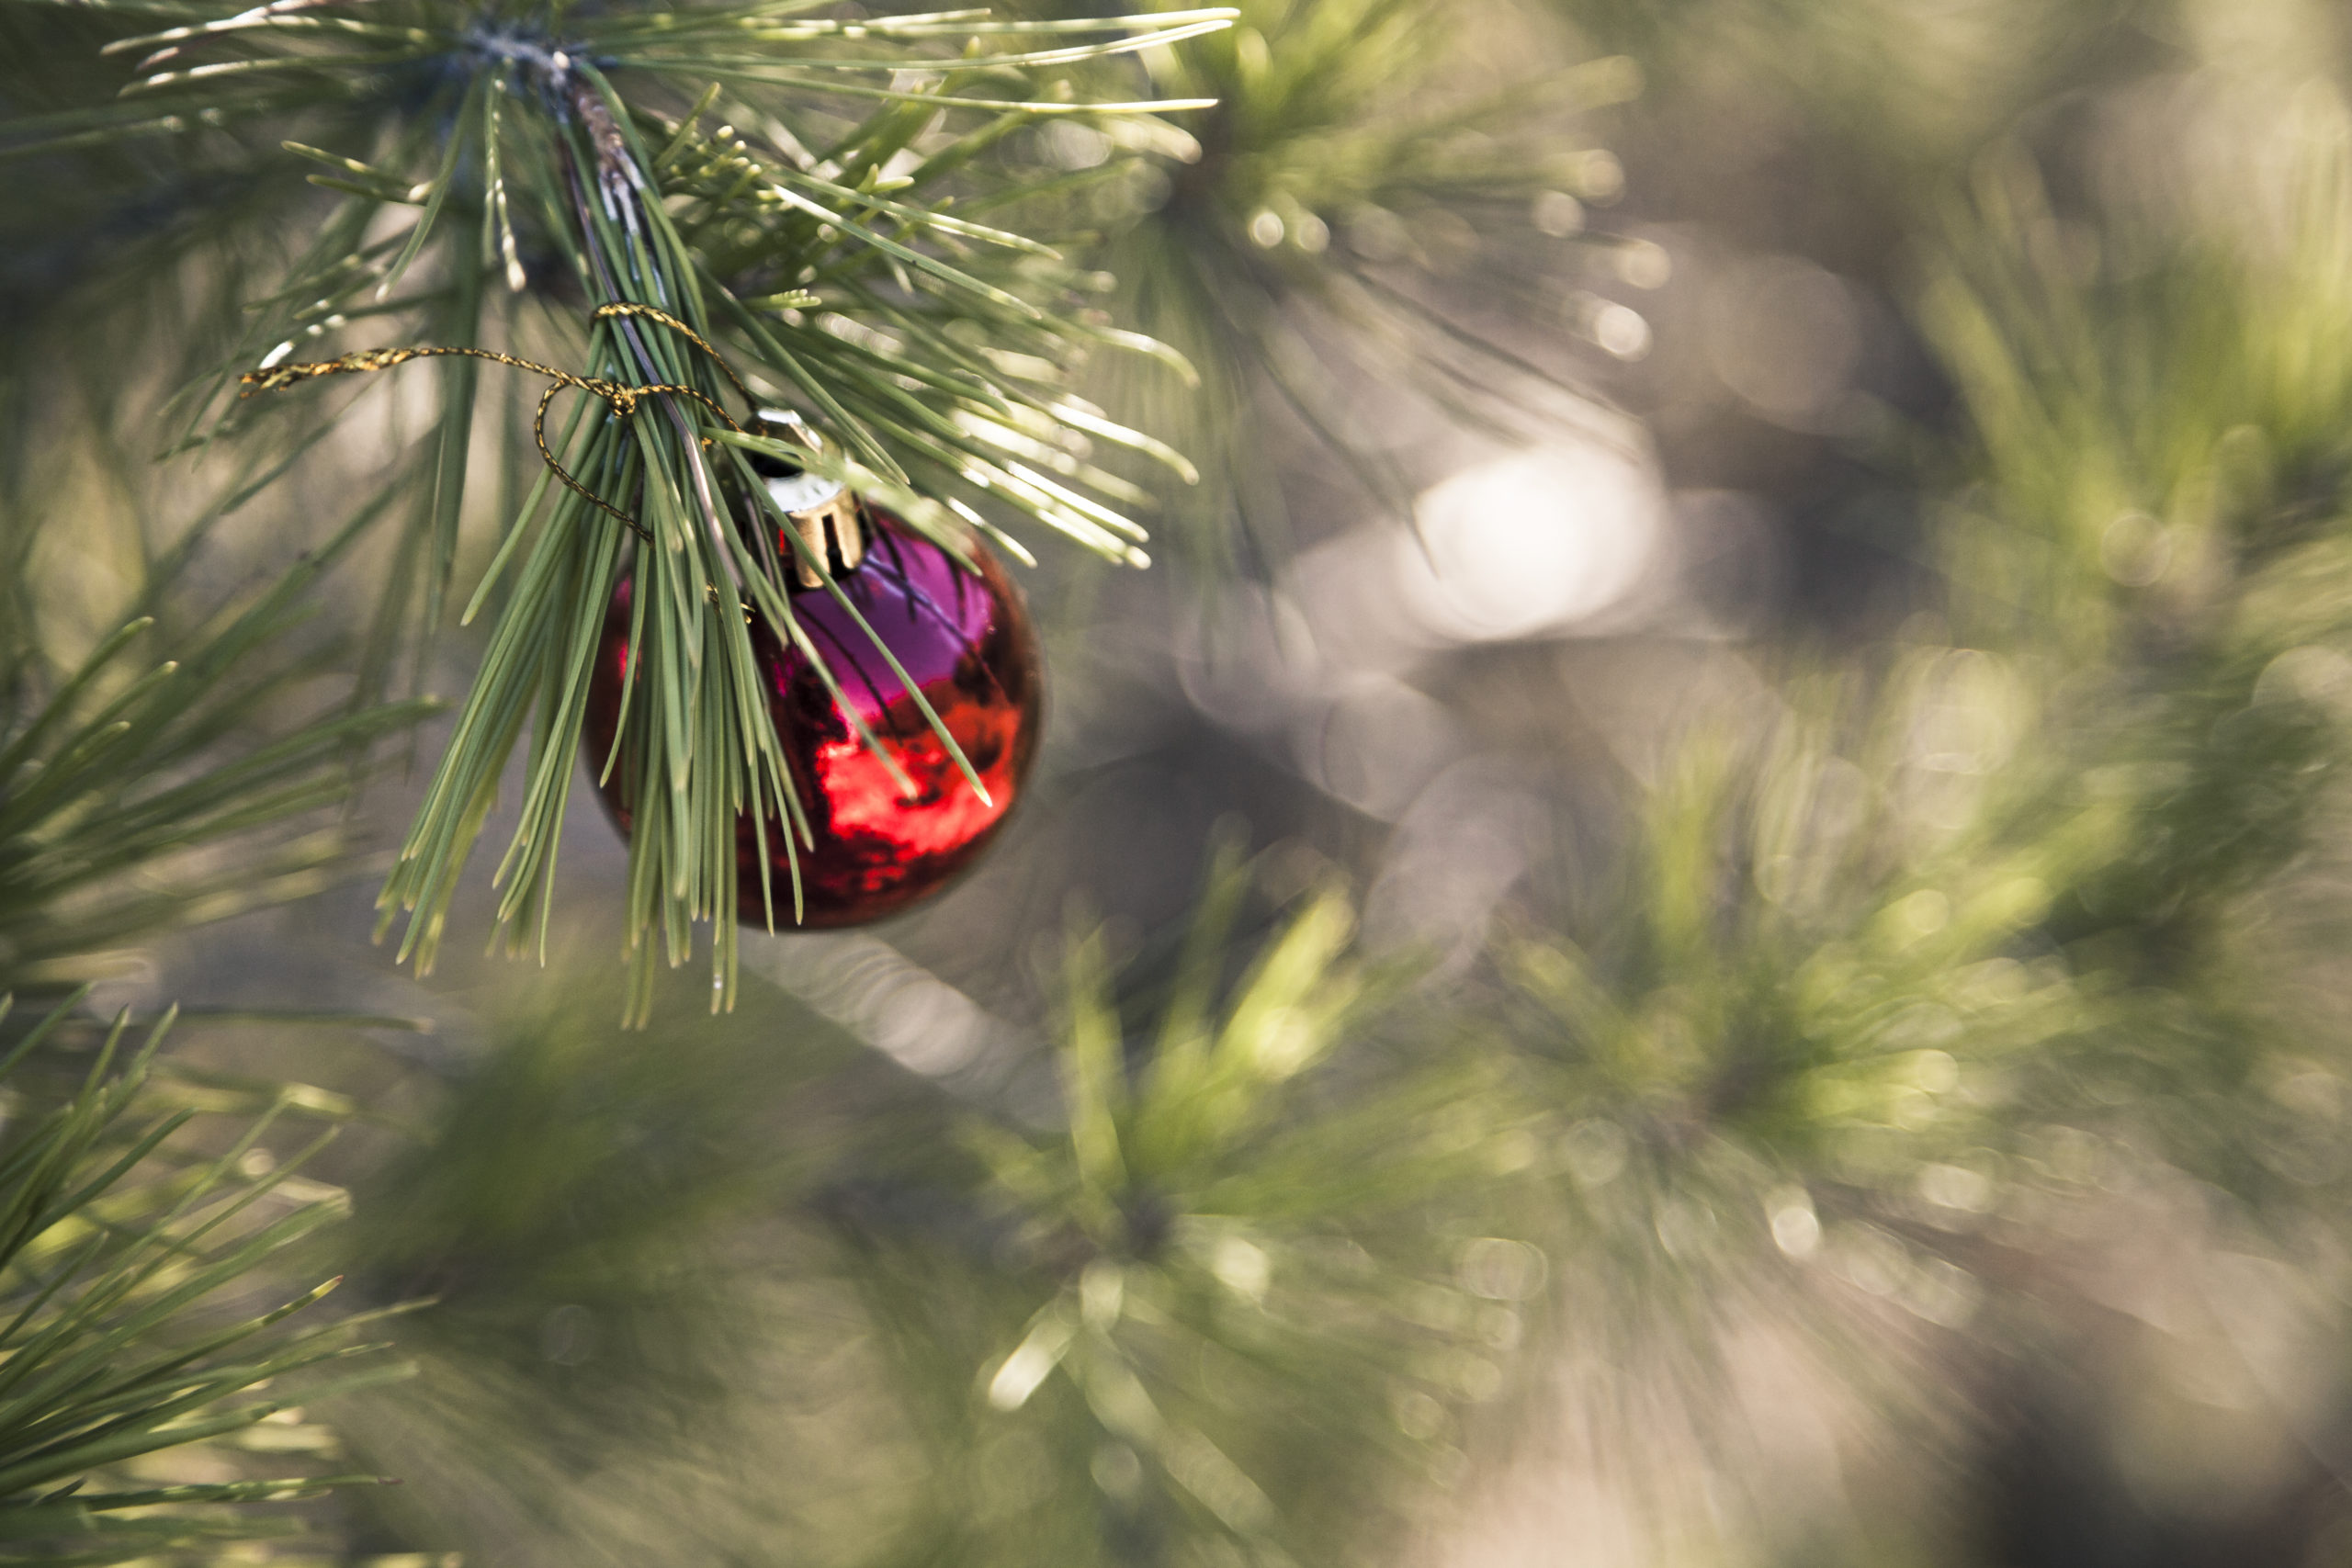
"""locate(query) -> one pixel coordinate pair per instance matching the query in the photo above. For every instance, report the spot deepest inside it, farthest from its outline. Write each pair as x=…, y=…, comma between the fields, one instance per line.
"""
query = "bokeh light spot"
x=1531, y=543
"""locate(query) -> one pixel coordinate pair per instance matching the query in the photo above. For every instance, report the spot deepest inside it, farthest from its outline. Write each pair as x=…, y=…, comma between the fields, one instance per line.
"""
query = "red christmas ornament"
x=964, y=639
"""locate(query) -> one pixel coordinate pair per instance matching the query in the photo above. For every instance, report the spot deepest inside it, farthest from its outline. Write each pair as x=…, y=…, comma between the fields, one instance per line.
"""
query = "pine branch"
x=113, y=1247
x=1224, y=1302
x=529, y=149
x=1357, y=159
x=116, y=796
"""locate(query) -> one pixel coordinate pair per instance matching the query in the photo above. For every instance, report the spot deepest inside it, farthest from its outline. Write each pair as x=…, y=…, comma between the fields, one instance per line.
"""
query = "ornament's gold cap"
x=823, y=512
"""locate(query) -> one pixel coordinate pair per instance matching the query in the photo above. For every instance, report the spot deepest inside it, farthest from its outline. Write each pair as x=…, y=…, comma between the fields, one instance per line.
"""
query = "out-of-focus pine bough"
x=1907, y=962
x=1367, y=198
x=126, y=809
x=126, y=1254
x=2163, y=497
x=140, y=795
x=1242, y=1299
x=782, y=184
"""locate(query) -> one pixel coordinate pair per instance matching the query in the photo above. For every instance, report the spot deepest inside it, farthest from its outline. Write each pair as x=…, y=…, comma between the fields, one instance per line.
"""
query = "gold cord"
x=621, y=399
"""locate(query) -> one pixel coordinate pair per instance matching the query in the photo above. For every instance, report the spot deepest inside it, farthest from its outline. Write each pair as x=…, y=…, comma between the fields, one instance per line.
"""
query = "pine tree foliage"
x=1795, y=947
x=1365, y=194
x=126, y=1265
x=139, y=796
x=604, y=1229
x=1900, y=97
x=126, y=806
x=1232, y=1313
x=1234, y=1310
x=1908, y=962
x=1925, y=951
x=2192, y=557
x=812, y=246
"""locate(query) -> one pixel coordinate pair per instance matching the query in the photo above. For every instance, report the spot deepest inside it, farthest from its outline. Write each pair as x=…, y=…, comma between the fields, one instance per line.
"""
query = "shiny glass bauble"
x=964, y=638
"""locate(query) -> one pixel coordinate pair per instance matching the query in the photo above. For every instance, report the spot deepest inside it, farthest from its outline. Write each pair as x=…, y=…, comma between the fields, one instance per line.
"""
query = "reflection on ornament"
x=965, y=641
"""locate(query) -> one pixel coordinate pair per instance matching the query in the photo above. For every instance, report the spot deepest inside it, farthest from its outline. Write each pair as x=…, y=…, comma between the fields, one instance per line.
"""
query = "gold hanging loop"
x=622, y=400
